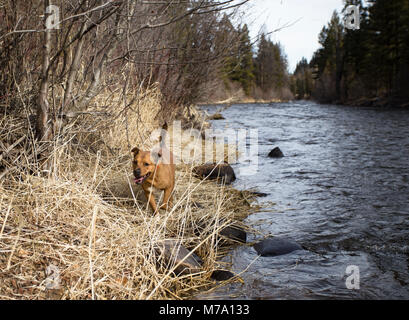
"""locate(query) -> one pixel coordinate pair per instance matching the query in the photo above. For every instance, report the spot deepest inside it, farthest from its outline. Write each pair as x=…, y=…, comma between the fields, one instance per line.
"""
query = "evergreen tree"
x=329, y=59
x=389, y=46
x=239, y=66
x=302, y=80
x=270, y=66
x=370, y=62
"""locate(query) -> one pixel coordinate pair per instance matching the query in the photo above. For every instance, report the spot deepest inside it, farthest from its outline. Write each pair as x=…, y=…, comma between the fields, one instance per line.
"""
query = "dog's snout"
x=137, y=173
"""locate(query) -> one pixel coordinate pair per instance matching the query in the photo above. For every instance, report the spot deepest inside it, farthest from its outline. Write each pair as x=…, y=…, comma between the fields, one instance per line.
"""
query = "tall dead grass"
x=84, y=231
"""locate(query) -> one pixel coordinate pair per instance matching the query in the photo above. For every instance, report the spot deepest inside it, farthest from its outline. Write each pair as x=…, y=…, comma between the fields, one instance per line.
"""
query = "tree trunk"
x=43, y=125
x=74, y=68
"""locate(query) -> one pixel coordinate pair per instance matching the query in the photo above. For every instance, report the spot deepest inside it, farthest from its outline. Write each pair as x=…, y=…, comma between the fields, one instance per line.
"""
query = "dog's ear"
x=135, y=151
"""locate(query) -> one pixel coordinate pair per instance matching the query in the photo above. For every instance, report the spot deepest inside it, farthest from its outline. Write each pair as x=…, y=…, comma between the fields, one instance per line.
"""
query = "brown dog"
x=158, y=172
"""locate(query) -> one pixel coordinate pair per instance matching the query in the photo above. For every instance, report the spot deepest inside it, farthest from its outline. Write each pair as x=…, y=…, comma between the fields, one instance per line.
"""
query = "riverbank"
x=362, y=102
x=220, y=95
x=378, y=102
x=84, y=232
x=372, y=102
x=241, y=101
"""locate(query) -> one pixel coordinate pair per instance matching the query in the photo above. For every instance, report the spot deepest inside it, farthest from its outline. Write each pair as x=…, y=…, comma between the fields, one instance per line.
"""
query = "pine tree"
x=270, y=66
x=329, y=60
x=302, y=80
x=239, y=66
x=389, y=46
x=370, y=62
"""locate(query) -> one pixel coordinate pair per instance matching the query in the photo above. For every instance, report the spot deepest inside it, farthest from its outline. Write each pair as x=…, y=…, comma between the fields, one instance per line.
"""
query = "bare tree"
x=174, y=43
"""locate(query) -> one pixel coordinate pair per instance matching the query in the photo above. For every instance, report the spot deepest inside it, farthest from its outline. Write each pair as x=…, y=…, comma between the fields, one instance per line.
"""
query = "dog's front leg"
x=167, y=199
x=150, y=198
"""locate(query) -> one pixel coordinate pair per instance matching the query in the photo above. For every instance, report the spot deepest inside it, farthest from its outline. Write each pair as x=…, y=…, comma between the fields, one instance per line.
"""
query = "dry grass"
x=86, y=218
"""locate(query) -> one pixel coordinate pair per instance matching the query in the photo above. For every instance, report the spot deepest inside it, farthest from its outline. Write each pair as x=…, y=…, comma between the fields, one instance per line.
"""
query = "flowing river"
x=341, y=191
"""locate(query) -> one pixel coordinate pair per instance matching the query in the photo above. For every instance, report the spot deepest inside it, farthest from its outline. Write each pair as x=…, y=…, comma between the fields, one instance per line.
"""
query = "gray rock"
x=276, y=153
x=216, y=116
x=221, y=275
x=214, y=171
x=276, y=247
x=173, y=252
x=234, y=233
x=259, y=194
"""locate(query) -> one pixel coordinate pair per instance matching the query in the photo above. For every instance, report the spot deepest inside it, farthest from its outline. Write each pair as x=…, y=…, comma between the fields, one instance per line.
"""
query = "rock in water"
x=214, y=171
x=276, y=153
x=276, y=247
x=216, y=116
x=259, y=194
x=173, y=253
x=235, y=233
x=221, y=275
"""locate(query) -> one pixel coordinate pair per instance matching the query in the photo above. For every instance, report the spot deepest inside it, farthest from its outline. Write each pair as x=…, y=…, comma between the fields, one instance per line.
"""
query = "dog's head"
x=143, y=166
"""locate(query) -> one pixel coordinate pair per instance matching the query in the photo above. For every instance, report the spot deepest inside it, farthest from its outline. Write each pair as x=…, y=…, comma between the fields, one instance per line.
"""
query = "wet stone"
x=276, y=247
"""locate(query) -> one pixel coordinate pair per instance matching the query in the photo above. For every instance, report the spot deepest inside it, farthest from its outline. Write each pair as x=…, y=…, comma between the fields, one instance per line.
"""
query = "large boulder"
x=223, y=172
x=276, y=153
x=276, y=247
x=173, y=252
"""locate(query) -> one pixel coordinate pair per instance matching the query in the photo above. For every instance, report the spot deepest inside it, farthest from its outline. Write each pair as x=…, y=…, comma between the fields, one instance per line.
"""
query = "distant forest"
x=365, y=66
x=257, y=70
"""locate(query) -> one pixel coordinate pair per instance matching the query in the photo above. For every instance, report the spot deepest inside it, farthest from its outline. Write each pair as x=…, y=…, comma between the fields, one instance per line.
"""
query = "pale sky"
x=301, y=39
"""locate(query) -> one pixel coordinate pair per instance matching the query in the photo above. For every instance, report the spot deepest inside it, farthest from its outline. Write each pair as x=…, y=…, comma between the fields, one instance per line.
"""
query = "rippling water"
x=341, y=191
